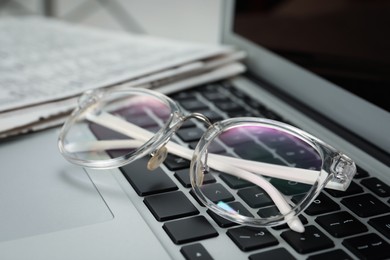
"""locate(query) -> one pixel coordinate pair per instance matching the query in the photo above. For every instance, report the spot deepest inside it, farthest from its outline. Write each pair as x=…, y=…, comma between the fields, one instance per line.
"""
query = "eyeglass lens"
x=108, y=121
x=260, y=143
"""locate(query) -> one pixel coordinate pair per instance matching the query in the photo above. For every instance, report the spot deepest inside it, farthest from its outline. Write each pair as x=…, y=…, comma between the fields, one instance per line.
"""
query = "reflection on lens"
x=275, y=148
x=115, y=121
x=225, y=206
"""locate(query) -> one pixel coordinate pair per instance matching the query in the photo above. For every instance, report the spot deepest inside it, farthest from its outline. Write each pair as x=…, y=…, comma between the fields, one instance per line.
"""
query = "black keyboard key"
x=214, y=95
x=184, y=177
x=382, y=224
x=351, y=190
x=188, y=123
x=278, y=253
x=235, y=182
x=237, y=92
x=104, y=133
x=314, y=164
x=235, y=140
x=361, y=173
x=249, y=238
x=369, y=246
x=195, y=252
x=365, y=205
x=285, y=226
x=213, y=147
x=255, y=104
x=241, y=113
x=255, y=197
x=147, y=182
x=228, y=106
x=190, y=134
x=175, y=163
x=334, y=255
x=143, y=121
x=290, y=187
x=268, y=212
x=196, y=198
x=171, y=205
x=276, y=139
x=189, y=229
x=322, y=204
x=239, y=208
x=341, y=224
x=193, y=104
x=310, y=241
x=212, y=115
x=271, y=115
x=252, y=151
x=377, y=186
x=223, y=222
x=216, y=192
x=184, y=95
x=295, y=153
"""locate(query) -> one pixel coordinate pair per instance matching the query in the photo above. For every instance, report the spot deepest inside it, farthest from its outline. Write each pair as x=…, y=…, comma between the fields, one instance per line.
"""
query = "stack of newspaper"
x=45, y=64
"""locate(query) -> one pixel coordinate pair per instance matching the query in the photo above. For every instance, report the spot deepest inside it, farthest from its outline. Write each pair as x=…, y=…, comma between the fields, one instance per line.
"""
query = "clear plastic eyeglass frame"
x=78, y=146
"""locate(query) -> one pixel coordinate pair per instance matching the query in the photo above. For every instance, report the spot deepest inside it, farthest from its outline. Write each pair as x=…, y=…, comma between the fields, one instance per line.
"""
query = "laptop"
x=52, y=209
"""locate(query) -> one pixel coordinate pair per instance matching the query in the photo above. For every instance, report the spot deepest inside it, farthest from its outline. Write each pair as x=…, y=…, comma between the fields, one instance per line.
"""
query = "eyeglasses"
x=280, y=168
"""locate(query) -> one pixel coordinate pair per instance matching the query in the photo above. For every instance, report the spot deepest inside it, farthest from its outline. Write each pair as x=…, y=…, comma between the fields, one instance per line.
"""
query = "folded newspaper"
x=45, y=64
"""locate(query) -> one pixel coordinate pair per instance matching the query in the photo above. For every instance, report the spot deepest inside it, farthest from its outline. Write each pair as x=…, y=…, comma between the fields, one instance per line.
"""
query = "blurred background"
x=178, y=19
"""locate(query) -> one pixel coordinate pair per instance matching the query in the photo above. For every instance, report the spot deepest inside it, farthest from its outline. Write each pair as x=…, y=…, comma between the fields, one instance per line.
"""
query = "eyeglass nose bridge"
x=199, y=116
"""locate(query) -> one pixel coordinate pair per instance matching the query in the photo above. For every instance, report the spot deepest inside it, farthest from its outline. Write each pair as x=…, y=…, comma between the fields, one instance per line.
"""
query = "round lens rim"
x=158, y=139
x=197, y=167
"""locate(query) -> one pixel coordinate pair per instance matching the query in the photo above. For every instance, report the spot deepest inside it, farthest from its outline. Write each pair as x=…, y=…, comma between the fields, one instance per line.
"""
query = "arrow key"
x=195, y=252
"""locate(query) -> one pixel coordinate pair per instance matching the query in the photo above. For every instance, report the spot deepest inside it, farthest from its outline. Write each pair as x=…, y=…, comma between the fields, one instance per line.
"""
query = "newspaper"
x=45, y=64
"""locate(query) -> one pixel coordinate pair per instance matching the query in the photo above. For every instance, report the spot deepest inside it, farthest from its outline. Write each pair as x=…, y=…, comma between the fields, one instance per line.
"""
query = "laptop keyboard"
x=354, y=224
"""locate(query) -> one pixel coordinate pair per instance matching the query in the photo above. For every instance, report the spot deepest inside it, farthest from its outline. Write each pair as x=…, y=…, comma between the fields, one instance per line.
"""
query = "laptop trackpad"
x=41, y=192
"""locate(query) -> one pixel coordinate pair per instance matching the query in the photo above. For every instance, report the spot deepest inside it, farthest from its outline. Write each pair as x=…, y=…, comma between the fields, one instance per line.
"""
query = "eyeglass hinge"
x=89, y=98
x=344, y=169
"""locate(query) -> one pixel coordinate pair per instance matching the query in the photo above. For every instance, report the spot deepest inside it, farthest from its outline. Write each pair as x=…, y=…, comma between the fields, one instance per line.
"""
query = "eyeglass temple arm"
x=117, y=124
x=276, y=171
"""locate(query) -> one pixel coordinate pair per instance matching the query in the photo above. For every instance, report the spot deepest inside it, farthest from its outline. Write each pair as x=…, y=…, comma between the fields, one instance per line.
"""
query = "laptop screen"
x=345, y=42
x=327, y=54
